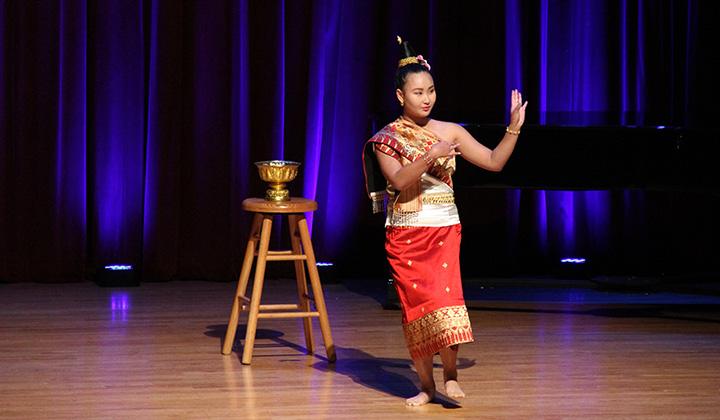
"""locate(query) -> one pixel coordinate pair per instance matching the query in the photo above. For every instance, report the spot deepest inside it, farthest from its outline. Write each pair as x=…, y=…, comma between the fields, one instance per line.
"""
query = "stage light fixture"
x=573, y=260
x=117, y=275
x=327, y=271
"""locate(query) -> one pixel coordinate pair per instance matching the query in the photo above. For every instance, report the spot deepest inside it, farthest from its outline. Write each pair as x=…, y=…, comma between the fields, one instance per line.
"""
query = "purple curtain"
x=44, y=148
x=129, y=127
x=116, y=105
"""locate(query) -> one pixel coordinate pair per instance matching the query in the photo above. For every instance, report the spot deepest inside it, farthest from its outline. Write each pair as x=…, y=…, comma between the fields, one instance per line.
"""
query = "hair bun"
x=408, y=55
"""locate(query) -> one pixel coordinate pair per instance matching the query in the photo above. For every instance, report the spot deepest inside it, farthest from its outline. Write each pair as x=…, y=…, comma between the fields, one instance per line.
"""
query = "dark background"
x=128, y=130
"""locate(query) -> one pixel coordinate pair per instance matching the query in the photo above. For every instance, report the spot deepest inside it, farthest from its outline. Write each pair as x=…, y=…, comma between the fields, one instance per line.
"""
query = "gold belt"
x=438, y=198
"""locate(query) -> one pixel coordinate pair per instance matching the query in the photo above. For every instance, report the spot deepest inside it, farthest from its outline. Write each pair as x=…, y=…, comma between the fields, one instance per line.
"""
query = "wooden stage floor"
x=80, y=351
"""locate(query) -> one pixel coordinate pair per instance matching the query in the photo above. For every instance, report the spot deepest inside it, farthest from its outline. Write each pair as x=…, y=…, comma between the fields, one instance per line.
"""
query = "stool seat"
x=301, y=254
x=294, y=205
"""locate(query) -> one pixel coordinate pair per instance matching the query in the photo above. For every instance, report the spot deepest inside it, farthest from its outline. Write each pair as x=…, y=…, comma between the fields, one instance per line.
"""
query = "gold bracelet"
x=428, y=160
x=513, y=132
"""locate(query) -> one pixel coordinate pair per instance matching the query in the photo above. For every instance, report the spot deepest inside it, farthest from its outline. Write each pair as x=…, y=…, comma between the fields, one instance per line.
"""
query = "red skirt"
x=425, y=264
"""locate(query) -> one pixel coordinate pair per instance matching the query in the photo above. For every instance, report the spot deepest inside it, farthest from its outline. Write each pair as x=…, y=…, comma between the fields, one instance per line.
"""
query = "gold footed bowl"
x=277, y=173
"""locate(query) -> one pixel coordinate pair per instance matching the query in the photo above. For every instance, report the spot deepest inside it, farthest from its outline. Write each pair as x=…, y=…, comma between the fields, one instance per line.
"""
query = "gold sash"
x=406, y=141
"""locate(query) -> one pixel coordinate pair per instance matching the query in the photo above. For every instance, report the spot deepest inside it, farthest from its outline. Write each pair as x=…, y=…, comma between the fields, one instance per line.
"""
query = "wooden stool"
x=300, y=240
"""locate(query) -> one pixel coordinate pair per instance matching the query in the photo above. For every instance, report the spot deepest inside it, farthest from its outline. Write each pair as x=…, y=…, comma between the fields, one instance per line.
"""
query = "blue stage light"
x=573, y=260
x=117, y=275
x=119, y=267
x=327, y=271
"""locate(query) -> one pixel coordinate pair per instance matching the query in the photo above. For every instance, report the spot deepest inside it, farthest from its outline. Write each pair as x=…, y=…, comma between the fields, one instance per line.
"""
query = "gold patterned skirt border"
x=440, y=328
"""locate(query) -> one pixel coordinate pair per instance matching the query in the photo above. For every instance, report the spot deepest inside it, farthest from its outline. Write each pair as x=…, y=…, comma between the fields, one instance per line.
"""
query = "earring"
x=402, y=103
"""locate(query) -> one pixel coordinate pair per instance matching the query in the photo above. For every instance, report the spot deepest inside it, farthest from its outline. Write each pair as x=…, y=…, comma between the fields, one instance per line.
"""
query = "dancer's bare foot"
x=453, y=390
x=424, y=368
x=422, y=398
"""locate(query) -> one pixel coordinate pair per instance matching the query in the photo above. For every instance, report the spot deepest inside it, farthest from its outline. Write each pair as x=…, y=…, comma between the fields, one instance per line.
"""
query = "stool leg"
x=242, y=284
x=257, y=289
x=317, y=288
x=303, y=298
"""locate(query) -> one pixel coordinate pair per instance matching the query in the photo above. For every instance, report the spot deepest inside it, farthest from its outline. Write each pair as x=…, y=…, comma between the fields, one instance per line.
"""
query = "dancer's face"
x=418, y=95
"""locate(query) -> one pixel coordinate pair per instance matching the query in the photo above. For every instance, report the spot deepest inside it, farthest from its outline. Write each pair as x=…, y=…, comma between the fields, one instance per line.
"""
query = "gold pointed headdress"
x=410, y=57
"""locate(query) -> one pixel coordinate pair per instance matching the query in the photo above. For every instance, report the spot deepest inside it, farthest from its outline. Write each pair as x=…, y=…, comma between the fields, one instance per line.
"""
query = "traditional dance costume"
x=422, y=240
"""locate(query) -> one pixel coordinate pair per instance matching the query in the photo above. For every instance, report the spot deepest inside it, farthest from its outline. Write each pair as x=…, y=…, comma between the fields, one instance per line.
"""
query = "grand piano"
x=630, y=201
x=602, y=158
